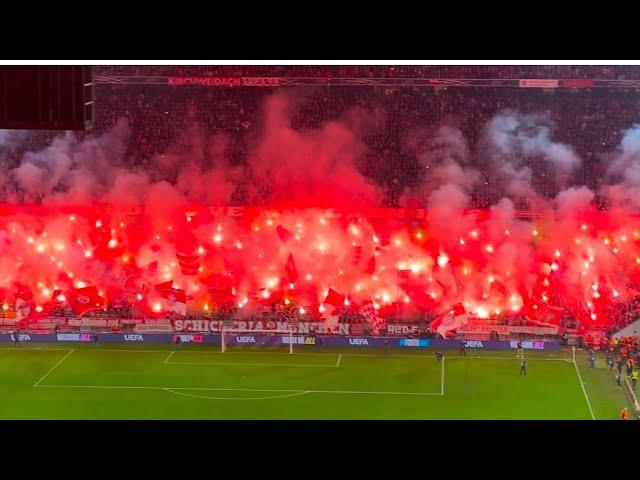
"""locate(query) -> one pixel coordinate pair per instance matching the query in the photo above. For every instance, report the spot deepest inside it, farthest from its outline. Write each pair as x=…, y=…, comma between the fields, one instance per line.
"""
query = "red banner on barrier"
x=226, y=81
x=578, y=83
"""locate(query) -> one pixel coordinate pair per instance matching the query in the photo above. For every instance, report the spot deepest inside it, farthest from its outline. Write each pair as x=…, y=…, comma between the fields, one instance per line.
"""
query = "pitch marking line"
x=29, y=349
x=339, y=360
x=345, y=392
x=297, y=394
x=326, y=354
x=584, y=390
x=250, y=364
x=512, y=358
x=285, y=353
x=54, y=367
x=166, y=360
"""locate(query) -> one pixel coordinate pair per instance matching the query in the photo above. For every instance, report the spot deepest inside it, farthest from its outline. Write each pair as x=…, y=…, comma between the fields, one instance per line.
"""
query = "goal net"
x=235, y=338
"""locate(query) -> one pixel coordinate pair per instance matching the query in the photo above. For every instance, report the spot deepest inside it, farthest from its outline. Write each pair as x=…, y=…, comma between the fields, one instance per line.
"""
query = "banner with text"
x=226, y=81
x=301, y=327
x=539, y=83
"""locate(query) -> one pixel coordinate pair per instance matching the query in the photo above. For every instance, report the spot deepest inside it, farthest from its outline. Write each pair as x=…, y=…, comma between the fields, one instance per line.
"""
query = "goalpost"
x=283, y=336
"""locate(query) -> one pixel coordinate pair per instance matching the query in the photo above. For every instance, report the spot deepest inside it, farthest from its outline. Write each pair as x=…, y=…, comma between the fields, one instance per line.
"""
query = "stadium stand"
x=159, y=116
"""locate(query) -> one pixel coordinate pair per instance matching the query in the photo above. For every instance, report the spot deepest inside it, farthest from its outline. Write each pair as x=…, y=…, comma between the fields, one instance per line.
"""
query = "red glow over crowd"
x=187, y=259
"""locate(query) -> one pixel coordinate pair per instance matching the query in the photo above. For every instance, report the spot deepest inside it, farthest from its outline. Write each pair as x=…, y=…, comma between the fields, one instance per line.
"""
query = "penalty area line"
x=232, y=364
x=586, y=397
x=54, y=367
x=209, y=389
x=206, y=397
x=166, y=360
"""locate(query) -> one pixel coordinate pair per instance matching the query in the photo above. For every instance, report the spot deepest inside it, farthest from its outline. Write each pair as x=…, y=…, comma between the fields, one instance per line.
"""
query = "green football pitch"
x=198, y=382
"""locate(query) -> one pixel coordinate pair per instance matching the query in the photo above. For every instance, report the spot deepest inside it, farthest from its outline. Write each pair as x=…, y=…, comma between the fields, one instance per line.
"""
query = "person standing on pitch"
x=463, y=348
x=634, y=378
x=624, y=414
x=618, y=375
x=520, y=352
x=523, y=367
x=592, y=359
x=610, y=362
x=16, y=339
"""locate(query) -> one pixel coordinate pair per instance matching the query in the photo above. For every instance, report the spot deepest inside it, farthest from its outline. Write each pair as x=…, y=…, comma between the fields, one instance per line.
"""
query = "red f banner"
x=84, y=300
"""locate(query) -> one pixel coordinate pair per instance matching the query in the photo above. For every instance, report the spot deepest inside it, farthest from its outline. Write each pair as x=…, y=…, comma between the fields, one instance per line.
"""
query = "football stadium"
x=331, y=242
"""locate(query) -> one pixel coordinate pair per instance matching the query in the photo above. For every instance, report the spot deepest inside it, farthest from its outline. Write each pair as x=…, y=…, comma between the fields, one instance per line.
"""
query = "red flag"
x=284, y=234
x=176, y=298
x=164, y=286
x=418, y=297
x=189, y=264
x=371, y=266
x=84, y=300
x=23, y=292
x=356, y=254
x=292, y=272
x=498, y=289
x=403, y=274
x=527, y=306
x=151, y=269
x=220, y=288
x=334, y=298
x=178, y=294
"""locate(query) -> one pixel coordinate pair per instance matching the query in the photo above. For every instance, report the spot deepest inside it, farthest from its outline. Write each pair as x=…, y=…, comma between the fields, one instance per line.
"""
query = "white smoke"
x=514, y=140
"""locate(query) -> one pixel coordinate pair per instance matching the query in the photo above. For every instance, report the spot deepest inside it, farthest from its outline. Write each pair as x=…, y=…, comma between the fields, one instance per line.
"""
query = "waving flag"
x=371, y=266
x=284, y=234
x=369, y=313
x=452, y=320
x=176, y=298
x=23, y=292
x=356, y=254
x=23, y=309
x=498, y=289
x=290, y=268
x=189, y=264
x=84, y=300
x=334, y=298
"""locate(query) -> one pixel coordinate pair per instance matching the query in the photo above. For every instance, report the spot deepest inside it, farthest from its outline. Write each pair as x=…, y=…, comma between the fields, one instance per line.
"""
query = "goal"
x=256, y=338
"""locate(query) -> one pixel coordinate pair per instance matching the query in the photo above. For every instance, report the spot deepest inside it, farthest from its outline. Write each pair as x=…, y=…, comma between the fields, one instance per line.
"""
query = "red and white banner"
x=154, y=327
x=452, y=320
x=539, y=83
x=476, y=329
x=403, y=329
x=226, y=81
x=92, y=322
x=301, y=327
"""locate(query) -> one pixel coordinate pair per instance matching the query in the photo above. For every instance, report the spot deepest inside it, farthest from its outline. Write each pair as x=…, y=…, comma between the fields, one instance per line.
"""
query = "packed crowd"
x=163, y=117
x=608, y=72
